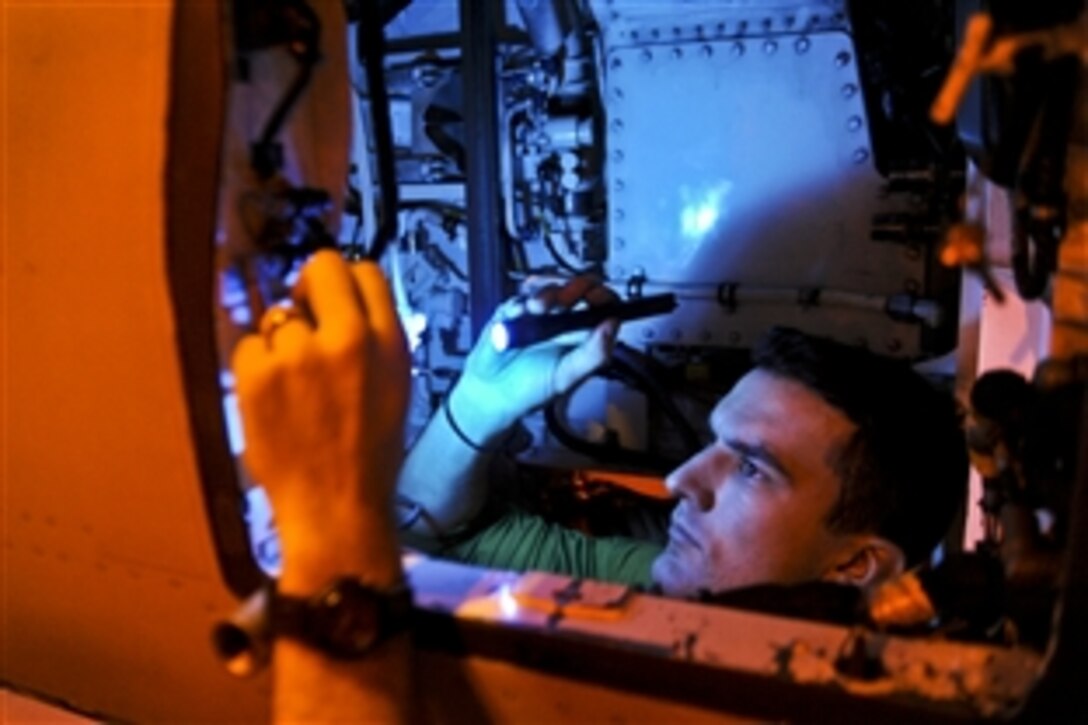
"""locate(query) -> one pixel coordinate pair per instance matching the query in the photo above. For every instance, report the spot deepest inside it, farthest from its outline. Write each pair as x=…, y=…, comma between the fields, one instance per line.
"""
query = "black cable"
x=266, y=155
x=633, y=368
x=370, y=49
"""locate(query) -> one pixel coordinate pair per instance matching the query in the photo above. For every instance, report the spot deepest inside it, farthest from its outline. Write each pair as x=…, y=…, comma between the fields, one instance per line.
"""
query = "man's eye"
x=748, y=469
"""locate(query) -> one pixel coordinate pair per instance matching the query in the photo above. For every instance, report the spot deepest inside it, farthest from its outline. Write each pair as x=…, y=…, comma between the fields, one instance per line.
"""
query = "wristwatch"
x=346, y=619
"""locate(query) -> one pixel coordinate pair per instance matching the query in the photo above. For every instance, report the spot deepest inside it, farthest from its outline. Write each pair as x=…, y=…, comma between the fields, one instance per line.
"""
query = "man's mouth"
x=680, y=534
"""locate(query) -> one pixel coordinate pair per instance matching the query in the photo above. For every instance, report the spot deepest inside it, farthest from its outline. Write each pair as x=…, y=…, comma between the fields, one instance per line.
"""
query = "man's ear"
x=866, y=561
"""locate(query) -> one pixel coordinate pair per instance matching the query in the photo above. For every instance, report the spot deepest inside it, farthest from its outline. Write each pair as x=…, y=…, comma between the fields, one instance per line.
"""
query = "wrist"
x=476, y=417
x=349, y=541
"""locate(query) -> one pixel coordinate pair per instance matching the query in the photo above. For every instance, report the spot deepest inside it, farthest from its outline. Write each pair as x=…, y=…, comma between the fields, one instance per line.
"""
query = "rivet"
x=853, y=123
x=842, y=59
x=706, y=51
x=802, y=45
x=770, y=47
x=736, y=49
x=861, y=156
x=646, y=56
x=849, y=90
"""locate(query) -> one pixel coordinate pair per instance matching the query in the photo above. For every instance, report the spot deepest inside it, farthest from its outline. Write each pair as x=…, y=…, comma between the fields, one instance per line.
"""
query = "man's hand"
x=323, y=397
x=497, y=388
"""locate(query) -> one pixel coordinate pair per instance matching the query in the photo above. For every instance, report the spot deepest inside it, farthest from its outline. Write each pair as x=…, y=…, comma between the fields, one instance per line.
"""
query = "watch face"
x=347, y=618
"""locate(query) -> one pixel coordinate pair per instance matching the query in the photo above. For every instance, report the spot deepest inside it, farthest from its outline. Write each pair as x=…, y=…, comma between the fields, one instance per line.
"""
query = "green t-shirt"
x=521, y=542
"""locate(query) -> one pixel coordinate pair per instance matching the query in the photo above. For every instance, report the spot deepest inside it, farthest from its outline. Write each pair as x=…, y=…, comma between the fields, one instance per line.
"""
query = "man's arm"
x=446, y=471
x=322, y=394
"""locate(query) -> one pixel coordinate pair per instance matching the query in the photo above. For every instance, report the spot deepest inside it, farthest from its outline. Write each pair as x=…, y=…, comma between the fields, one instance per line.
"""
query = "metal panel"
x=747, y=160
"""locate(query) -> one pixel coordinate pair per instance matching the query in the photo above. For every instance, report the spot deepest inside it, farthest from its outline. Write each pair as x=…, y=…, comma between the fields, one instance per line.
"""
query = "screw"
x=737, y=49
x=617, y=93
x=842, y=59
x=646, y=56
x=802, y=45
x=618, y=185
x=618, y=243
x=677, y=53
x=616, y=125
x=770, y=47
x=849, y=90
x=861, y=156
x=853, y=123
x=618, y=215
x=617, y=155
x=706, y=51
x=616, y=63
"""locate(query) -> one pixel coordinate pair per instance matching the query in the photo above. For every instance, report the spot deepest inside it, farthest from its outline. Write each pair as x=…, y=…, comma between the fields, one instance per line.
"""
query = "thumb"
x=582, y=360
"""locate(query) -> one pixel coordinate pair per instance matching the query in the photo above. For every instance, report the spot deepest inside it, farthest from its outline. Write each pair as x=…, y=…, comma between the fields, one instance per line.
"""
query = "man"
x=829, y=464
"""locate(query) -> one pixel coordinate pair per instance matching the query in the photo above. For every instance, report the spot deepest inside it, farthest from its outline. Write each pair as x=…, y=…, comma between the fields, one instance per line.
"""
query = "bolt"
x=849, y=90
x=737, y=49
x=853, y=123
x=770, y=47
x=802, y=45
x=861, y=156
x=842, y=59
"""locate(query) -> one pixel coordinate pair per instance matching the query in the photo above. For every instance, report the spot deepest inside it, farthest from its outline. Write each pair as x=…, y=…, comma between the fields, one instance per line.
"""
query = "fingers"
x=328, y=290
x=554, y=296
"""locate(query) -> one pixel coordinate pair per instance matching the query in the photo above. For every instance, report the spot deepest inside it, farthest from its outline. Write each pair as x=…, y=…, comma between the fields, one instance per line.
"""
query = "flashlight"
x=528, y=330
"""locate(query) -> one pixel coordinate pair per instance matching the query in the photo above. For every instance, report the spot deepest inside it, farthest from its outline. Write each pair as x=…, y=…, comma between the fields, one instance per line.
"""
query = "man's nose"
x=692, y=480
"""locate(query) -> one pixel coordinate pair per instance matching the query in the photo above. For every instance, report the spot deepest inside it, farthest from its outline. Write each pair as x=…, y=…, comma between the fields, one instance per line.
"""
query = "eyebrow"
x=759, y=452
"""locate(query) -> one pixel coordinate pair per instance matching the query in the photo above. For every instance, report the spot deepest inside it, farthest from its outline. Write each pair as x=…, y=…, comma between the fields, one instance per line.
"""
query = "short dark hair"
x=904, y=470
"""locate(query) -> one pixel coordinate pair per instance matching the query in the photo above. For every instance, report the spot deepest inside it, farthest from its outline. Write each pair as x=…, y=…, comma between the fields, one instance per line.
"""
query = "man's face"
x=753, y=502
